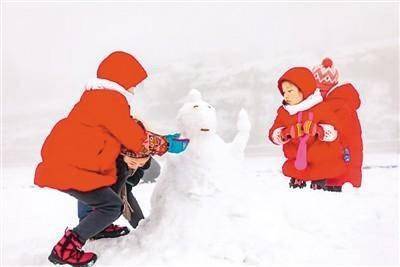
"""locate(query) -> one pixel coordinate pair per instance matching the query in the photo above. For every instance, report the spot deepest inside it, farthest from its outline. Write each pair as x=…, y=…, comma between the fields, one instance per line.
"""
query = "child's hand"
x=326, y=132
x=285, y=135
x=311, y=128
x=134, y=163
x=293, y=132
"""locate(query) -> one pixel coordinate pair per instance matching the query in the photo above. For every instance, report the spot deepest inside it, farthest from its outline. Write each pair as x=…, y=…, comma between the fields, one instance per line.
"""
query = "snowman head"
x=196, y=117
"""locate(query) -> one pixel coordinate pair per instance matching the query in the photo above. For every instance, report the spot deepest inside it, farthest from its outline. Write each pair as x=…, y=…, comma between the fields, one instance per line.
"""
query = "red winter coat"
x=324, y=159
x=81, y=150
x=344, y=101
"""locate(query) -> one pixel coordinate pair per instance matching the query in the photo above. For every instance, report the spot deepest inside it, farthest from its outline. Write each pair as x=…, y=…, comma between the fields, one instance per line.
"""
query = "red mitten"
x=320, y=132
x=311, y=128
x=294, y=131
x=285, y=134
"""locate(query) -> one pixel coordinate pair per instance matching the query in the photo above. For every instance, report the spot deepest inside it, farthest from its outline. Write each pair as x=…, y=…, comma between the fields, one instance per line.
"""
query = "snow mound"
x=197, y=201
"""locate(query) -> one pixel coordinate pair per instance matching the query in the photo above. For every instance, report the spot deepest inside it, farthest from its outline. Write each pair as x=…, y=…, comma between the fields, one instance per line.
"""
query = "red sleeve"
x=279, y=122
x=342, y=121
x=115, y=117
x=330, y=117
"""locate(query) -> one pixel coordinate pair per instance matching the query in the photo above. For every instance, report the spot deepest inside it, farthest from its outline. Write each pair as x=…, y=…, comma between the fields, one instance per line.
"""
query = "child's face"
x=291, y=93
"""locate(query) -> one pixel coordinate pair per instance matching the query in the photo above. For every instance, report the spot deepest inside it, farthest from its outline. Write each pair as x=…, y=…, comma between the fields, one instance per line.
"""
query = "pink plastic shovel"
x=301, y=156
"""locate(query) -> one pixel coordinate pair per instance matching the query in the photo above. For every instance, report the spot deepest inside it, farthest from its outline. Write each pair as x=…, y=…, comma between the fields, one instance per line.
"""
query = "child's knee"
x=114, y=207
x=119, y=206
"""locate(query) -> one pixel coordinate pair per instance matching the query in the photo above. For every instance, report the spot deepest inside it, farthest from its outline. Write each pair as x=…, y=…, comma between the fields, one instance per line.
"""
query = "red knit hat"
x=326, y=75
x=302, y=78
x=122, y=68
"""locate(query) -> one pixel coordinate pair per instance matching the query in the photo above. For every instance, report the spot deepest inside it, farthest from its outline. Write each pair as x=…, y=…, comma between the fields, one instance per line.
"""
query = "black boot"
x=112, y=231
x=333, y=188
x=318, y=185
x=296, y=183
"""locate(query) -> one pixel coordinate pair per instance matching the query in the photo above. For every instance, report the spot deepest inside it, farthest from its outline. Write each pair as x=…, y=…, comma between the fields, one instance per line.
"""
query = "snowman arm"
x=239, y=143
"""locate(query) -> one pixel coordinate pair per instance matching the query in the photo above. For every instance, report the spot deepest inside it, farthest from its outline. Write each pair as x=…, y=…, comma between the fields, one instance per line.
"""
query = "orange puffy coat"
x=81, y=150
x=324, y=159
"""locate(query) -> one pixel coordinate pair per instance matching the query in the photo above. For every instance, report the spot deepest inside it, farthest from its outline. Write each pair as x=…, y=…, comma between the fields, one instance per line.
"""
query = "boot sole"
x=97, y=237
x=53, y=259
x=297, y=186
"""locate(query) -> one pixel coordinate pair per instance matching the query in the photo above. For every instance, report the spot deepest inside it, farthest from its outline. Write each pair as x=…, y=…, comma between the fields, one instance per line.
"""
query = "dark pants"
x=106, y=208
x=106, y=204
x=137, y=215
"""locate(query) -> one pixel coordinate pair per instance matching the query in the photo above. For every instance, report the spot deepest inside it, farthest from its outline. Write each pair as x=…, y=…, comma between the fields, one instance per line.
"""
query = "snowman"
x=196, y=201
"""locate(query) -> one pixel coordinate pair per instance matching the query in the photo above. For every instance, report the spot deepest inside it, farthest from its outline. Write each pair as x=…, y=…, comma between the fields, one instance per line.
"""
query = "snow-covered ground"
x=282, y=226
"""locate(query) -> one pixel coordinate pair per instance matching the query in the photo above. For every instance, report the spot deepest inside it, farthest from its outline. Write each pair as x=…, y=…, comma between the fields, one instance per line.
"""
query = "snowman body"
x=197, y=197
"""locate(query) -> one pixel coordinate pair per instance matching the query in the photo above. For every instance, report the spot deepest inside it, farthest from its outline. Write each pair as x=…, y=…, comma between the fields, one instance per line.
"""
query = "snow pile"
x=282, y=226
x=196, y=203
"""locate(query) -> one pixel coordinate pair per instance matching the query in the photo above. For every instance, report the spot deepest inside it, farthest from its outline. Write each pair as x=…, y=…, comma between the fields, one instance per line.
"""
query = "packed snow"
x=274, y=224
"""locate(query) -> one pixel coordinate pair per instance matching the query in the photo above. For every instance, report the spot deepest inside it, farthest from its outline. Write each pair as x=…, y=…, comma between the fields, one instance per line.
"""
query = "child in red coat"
x=79, y=155
x=344, y=101
x=308, y=130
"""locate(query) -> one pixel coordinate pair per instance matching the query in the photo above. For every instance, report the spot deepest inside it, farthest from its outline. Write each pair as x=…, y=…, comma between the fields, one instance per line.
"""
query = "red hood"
x=302, y=78
x=122, y=68
x=346, y=92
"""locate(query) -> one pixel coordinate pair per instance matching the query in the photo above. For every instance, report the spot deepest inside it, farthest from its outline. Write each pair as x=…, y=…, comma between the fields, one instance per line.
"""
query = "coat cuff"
x=276, y=136
x=153, y=145
x=330, y=133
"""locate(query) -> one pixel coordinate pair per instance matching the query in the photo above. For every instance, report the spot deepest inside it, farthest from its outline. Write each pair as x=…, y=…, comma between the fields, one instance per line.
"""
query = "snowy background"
x=233, y=54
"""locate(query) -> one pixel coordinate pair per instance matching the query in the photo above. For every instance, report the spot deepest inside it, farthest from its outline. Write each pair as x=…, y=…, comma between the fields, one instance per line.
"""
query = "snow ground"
x=284, y=227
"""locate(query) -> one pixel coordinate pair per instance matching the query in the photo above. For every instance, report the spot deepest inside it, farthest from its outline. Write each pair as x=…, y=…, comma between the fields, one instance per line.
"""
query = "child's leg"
x=106, y=205
x=83, y=210
x=318, y=184
x=297, y=183
x=336, y=181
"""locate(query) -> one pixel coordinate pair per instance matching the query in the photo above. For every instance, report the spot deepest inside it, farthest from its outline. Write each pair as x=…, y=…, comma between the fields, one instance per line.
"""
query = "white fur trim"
x=98, y=84
x=276, y=136
x=306, y=104
x=330, y=133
